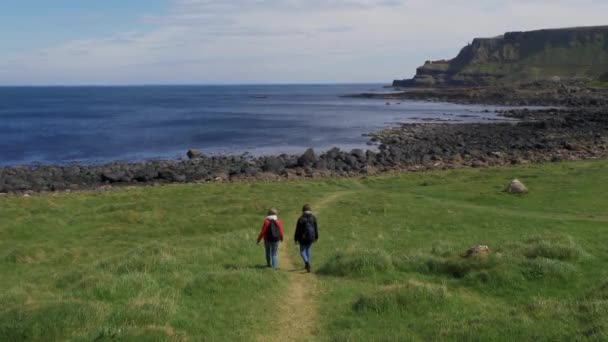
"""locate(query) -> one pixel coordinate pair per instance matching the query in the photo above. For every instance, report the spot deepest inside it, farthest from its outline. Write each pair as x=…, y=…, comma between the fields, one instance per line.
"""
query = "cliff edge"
x=579, y=53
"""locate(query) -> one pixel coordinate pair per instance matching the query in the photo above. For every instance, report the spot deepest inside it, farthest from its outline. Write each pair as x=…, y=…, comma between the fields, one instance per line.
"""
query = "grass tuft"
x=558, y=247
x=410, y=296
x=543, y=268
x=357, y=263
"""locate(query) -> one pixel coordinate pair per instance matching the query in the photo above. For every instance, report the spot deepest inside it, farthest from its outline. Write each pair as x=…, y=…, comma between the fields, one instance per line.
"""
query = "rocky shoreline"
x=542, y=136
x=541, y=93
x=547, y=135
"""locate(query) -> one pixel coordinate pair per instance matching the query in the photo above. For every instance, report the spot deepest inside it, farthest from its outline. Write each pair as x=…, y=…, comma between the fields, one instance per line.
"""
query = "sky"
x=107, y=42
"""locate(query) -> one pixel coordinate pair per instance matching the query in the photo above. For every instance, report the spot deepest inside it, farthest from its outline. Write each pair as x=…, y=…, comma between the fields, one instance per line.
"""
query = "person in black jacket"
x=307, y=232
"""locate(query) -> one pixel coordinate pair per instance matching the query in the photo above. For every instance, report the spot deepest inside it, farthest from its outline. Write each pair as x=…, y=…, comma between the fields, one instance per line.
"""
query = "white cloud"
x=201, y=41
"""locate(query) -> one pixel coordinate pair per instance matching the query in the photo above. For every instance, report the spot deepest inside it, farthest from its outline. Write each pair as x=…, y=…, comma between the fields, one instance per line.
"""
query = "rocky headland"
x=552, y=67
x=566, y=54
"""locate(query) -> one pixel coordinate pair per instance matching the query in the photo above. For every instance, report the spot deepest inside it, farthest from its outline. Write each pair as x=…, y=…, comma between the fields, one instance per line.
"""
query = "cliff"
x=556, y=54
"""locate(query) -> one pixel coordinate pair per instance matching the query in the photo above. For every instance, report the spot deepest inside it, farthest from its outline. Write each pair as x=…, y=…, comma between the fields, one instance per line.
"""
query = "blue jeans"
x=305, y=252
x=271, y=253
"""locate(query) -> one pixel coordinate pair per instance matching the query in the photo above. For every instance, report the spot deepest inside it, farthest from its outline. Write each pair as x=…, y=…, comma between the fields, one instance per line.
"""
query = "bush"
x=357, y=263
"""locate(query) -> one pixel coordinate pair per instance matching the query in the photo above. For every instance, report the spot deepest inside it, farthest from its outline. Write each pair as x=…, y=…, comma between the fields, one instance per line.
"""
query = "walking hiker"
x=307, y=233
x=272, y=233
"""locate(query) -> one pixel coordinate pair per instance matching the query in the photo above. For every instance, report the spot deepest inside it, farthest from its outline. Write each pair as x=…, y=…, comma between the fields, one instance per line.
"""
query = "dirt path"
x=297, y=314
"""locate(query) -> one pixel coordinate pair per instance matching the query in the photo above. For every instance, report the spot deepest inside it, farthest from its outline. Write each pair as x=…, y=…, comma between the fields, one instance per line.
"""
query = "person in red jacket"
x=272, y=233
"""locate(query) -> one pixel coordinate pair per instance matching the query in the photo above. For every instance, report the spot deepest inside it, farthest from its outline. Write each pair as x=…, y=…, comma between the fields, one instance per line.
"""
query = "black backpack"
x=272, y=232
x=308, y=234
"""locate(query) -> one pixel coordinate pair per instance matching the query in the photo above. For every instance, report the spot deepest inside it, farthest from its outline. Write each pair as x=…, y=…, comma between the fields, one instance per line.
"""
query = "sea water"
x=61, y=125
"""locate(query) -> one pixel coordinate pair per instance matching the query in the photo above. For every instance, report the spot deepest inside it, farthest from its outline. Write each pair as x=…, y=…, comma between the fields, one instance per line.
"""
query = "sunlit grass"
x=179, y=262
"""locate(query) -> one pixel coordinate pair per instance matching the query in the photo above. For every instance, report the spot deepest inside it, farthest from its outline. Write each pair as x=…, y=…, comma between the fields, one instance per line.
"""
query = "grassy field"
x=180, y=262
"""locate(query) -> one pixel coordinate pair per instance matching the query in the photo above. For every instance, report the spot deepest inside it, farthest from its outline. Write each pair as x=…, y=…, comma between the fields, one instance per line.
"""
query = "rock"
x=114, y=177
x=479, y=251
x=359, y=154
x=267, y=176
x=351, y=160
x=273, y=164
x=308, y=158
x=516, y=187
x=58, y=186
x=308, y=171
x=333, y=153
x=249, y=170
x=171, y=176
x=478, y=164
x=145, y=174
x=194, y=154
x=456, y=158
x=370, y=155
x=321, y=164
x=369, y=170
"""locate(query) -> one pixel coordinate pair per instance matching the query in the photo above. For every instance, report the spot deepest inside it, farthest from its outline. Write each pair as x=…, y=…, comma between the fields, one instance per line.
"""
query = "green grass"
x=179, y=262
x=587, y=61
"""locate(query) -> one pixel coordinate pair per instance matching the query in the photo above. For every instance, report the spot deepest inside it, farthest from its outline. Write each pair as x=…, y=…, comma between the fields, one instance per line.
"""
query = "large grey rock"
x=171, y=176
x=359, y=154
x=308, y=158
x=273, y=164
x=333, y=153
x=114, y=177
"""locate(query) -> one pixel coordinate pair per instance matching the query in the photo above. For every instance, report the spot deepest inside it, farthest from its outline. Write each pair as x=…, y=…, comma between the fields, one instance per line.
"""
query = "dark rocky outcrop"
x=547, y=55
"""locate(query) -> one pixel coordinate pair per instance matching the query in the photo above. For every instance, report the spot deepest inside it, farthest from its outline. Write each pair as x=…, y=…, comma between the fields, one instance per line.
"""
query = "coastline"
x=575, y=131
x=540, y=93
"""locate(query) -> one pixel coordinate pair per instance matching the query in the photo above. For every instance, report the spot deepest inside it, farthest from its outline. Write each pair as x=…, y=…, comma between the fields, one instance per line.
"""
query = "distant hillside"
x=570, y=53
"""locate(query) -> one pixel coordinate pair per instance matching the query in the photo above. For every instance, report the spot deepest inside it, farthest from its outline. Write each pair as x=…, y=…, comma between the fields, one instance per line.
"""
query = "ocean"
x=90, y=125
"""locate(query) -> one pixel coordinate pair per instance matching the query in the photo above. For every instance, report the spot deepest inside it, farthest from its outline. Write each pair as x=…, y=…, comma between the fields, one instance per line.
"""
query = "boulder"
x=194, y=154
x=273, y=164
x=171, y=176
x=333, y=153
x=145, y=173
x=479, y=251
x=308, y=158
x=321, y=164
x=359, y=154
x=114, y=177
x=516, y=187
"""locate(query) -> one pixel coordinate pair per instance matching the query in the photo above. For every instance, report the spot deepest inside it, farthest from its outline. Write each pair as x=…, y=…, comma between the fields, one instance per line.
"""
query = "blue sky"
x=30, y=24
x=255, y=41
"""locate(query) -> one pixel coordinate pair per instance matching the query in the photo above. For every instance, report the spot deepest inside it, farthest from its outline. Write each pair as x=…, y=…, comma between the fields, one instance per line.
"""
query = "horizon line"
x=184, y=84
